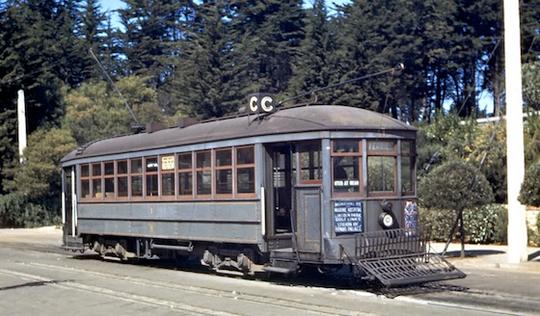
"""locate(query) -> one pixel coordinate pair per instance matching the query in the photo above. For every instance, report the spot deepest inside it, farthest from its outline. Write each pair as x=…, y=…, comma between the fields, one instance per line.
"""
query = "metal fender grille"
x=398, y=257
x=410, y=269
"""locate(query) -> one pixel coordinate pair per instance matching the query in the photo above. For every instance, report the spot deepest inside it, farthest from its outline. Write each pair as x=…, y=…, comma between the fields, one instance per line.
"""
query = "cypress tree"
x=267, y=36
x=200, y=83
x=312, y=67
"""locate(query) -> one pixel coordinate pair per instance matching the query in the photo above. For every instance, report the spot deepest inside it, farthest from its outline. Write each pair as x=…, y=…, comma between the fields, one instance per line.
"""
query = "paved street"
x=37, y=278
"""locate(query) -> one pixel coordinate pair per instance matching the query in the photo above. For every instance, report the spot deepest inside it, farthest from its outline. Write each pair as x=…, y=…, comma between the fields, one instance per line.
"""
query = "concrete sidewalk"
x=488, y=257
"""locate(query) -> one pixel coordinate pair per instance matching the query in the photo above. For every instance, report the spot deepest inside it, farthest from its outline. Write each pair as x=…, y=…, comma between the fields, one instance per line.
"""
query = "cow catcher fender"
x=398, y=257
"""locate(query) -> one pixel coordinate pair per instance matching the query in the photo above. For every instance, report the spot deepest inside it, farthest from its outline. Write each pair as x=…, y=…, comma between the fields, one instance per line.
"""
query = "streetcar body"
x=326, y=186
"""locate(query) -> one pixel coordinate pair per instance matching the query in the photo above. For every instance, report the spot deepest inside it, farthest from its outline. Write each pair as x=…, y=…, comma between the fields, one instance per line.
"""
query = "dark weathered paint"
x=238, y=221
x=286, y=121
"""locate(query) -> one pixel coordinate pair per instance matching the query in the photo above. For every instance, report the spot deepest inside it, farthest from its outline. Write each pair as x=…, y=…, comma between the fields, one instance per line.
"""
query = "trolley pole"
x=517, y=226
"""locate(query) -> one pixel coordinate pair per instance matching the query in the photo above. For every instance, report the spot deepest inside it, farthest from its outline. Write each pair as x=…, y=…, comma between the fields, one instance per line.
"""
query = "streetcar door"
x=282, y=189
x=67, y=202
x=307, y=195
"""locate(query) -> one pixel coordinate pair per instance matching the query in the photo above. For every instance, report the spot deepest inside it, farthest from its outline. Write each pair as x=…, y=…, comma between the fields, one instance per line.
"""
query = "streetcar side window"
x=136, y=177
x=85, y=182
x=151, y=172
x=245, y=170
x=97, y=189
x=167, y=174
x=108, y=174
x=185, y=174
x=204, y=172
x=224, y=175
x=122, y=178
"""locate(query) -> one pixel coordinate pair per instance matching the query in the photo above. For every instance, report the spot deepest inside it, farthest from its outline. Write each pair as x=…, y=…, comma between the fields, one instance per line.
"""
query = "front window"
x=381, y=166
x=346, y=166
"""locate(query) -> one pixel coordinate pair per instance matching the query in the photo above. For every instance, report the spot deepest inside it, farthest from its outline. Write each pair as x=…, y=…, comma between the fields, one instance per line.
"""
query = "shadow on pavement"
x=474, y=253
x=534, y=256
x=31, y=284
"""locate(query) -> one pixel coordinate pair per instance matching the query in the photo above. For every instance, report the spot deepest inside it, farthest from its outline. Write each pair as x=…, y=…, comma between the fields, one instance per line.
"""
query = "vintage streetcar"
x=331, y=187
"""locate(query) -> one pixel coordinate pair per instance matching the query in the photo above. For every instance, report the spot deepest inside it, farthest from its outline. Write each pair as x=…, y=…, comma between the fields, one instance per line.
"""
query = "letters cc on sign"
x=261, y=103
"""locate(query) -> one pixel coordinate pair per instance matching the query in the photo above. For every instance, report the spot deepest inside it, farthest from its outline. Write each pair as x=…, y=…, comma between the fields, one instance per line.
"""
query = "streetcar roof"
x=284, y=121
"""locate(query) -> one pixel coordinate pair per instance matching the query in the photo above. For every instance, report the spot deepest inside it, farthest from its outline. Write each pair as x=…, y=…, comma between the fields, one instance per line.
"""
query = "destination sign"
x=167, y=162
x=348, y=217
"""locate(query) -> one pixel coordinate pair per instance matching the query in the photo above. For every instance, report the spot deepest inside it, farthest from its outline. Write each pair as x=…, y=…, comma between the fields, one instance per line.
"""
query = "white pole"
x=73, y=203
x=21, y=115
x=63, y=198
x=263, y=212
x=517, y=227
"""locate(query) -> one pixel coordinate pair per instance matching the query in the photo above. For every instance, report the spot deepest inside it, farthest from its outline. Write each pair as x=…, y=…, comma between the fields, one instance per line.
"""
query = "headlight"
x=386, y=220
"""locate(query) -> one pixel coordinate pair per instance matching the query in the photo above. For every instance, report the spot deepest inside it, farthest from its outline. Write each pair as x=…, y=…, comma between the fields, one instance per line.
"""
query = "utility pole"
x=21, y=117
x=515, y=161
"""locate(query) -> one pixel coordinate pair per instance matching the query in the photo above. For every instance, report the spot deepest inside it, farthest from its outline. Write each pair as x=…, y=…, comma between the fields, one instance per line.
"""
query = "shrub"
x=486, y=224
x=455, y=185
x=17, y=211
x=437, y=222
x=530, y=189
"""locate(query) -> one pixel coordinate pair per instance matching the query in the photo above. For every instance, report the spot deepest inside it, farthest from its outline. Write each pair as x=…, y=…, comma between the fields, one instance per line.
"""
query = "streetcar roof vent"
x=187, y=121
x=154, y=127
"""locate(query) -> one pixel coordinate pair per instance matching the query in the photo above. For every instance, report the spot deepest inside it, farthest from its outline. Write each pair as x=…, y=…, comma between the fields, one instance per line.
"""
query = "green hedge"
x=486, y=224
x=17, y=211
x=530, y=189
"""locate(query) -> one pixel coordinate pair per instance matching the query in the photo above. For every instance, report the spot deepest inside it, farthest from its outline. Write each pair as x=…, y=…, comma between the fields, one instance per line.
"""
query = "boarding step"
x=411, y=269
x=290, y=255
x=73, y=243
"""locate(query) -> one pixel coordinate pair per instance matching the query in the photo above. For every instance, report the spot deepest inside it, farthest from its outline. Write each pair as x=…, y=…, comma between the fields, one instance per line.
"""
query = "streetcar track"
x=295, y=305
x=259, y=299
x=125, y=296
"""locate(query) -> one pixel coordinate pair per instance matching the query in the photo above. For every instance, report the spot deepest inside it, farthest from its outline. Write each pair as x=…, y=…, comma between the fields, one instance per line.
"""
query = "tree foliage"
x=531, y=85
x=94, y=111
x=35, y=185
x=202, y=58
x=530, y=189
x=455, y=185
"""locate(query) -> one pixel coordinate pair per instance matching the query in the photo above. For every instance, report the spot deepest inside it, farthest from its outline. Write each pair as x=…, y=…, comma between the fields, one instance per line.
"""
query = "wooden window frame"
x=150, y=173
x=298, y=146
x=163, y=172
x=136, y=174
x=87, y=178
x=217, y=168
x=121, y=175
x=383, y=153
x=109, y=176
x=238, y=166
x=99, y=177
x=359, y=155
x=185, y=170
x=412, y=159
x=203, y=169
